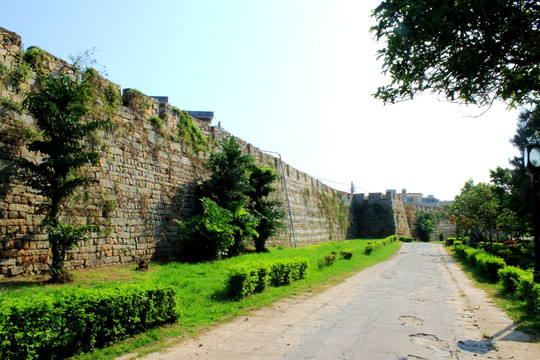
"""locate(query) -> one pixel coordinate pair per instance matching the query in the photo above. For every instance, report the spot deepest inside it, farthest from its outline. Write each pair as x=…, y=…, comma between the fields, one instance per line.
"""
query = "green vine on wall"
x=189, y=134
x=336, y=213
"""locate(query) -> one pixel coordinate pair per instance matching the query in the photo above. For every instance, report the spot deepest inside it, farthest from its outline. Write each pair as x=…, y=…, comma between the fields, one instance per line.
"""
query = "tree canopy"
x=469, y=51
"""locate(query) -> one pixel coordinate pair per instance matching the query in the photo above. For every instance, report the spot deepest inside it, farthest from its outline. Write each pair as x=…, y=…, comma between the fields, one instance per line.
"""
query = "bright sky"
x=290, y=76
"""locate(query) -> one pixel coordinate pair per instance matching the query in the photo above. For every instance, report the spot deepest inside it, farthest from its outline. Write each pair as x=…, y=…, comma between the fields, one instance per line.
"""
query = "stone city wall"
x=144, y=182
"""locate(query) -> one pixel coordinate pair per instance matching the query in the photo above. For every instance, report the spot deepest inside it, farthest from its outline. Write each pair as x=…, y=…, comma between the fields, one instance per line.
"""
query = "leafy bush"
x=470, y=255
x=285, y=271
x=407, y=239
x=524, y=288
x=80, y=319
x=369, y=250
x=346, y=253
x=207, y=236
x=242, y=280
x=534, y=299
x=329, y=259
x=510, y=276
x=489, y=265
x=246, y=279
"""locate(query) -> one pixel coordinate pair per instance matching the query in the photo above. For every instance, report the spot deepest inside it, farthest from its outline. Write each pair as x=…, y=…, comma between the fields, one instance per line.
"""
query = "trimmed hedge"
x=379, y=244
x=406, y=239
x=78, y=320
x=515, y=281
x=346, y=253
x=510, y=276
x=249, y=278
x=489, y=265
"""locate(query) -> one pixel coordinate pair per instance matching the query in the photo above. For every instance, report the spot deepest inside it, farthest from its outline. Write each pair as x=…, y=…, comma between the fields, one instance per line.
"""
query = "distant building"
x=419, y=199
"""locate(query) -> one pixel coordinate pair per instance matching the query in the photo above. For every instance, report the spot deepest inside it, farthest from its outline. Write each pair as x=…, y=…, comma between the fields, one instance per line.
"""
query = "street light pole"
x=531, y=160
x=286, y=195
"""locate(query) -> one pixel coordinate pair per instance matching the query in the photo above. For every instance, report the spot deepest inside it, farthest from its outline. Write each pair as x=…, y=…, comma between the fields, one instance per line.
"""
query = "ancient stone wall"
x=378, y=215
x=146, y=180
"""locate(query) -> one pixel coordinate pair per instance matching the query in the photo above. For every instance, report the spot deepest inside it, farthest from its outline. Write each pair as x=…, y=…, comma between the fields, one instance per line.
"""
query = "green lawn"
x=201, y=296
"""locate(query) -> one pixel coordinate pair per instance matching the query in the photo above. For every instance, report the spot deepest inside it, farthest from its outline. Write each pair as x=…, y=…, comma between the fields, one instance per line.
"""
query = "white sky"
x=290, y=76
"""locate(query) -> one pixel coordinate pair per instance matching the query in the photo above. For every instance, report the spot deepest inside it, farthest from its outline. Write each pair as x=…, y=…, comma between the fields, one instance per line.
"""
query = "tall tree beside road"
x=469, y=51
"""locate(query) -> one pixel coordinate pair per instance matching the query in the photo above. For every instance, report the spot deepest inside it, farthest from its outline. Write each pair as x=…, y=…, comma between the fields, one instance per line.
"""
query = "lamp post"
x=531, y=160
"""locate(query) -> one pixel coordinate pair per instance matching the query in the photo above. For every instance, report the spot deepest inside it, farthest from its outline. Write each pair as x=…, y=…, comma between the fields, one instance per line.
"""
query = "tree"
x=468, y=51
x=423, y=226
x=59, y=109
x=477, y=208
x=235, y=207
x=228, y=187
x=268, y=212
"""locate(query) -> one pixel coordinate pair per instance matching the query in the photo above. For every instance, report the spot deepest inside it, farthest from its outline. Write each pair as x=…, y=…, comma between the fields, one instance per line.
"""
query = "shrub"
x=510, y=276
x=369, y=250
x=329, y=259
x=470, y=255
x=242, y=280
x=534, y=299
x=406, y=239
x=246, y=279
x=524, y=288
x=489, y=265
x=346, y=253
x=460, y=251
x=81, y=319
x=285, y=271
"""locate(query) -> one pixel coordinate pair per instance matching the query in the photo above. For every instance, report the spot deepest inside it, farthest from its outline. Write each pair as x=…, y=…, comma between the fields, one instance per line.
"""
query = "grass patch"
x=202, y=298
x=515, y=309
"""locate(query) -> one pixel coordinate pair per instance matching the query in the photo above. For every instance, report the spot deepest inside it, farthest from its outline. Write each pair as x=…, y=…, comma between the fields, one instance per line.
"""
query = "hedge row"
x=379, y=244
x=249, y=278
x=79, y=320
x=515, y=281
x=488, y=264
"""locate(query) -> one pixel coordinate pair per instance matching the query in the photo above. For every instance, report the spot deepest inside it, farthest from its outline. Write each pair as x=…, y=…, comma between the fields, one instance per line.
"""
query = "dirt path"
x=417, y=305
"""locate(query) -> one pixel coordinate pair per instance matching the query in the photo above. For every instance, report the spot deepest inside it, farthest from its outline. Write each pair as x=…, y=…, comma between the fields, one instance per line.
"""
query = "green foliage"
x=464, y=50
x=208, y=235
x=335, y=211
x=524, y=288
x=372, y=246
x=136, y=100
x=489, y=265
x=406, y=239
x=329, y=259
x=59, y=109
x=189, y=134
x=158, y=123
x=200, y=289
x=238, y=190
x=78, y=319
x=510, y=276
x=423, y=226
x=36, y=58
x=476, y=210
x=19, y=72
x=62, y=237
x=268, y=212
x=534, y=302
x=346, y=253
x=249, y=278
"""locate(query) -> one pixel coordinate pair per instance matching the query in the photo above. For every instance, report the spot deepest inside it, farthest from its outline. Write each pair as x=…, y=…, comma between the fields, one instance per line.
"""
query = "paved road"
x=417, y=305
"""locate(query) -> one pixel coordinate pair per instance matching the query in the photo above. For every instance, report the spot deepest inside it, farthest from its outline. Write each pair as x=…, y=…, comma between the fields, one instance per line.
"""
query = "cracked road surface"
x=417, y=305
